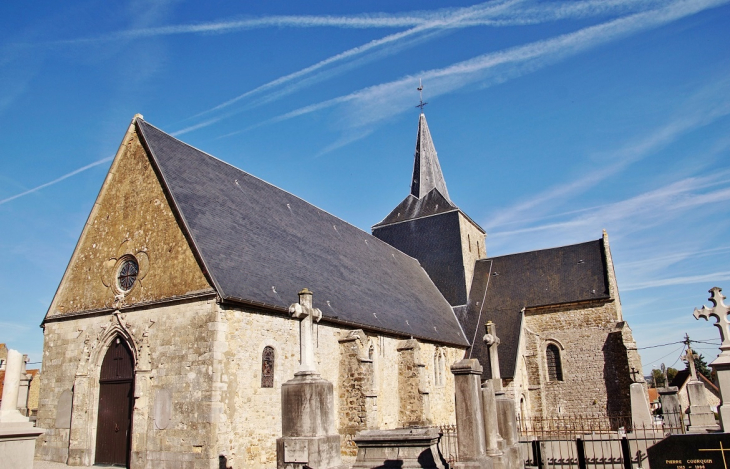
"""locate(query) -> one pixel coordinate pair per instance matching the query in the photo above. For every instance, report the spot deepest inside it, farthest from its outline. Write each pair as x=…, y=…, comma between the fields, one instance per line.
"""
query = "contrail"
x=65, y=176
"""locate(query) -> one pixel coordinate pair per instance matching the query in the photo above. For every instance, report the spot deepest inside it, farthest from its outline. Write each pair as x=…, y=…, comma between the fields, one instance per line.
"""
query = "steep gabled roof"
x=504, y=285
x=426, y=168
x=261, y=245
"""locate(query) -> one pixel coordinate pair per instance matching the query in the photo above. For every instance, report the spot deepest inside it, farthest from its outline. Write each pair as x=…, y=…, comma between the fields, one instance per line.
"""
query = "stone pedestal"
x=469, y=416
x=308, y=429
x=701, y=417
x=671, y=409
x=403, y=448
x=721, y=366
x=491, y=424
x=640, y=414
x=17, y=434
x=507, y=418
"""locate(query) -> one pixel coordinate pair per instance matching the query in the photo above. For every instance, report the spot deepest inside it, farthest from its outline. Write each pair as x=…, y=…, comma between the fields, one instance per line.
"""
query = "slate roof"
x=503, y=285
x=261, y=245
x=411, y=207
x=683, y=375
x=427, y=173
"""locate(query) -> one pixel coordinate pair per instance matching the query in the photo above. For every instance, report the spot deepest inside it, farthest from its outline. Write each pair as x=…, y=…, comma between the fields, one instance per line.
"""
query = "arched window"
x=555, y=368
x=267, y=368
x=438, y=368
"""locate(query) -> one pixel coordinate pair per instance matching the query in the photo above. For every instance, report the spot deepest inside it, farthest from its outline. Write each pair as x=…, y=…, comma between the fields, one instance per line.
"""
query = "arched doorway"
x=116, y=394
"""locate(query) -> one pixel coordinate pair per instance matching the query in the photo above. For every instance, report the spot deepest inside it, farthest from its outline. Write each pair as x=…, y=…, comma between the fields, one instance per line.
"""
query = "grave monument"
x=721, y=365
x=309, y=437
x=17, y=434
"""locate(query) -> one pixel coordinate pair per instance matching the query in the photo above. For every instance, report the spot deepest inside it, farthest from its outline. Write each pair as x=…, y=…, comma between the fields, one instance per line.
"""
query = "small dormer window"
x=127, y=274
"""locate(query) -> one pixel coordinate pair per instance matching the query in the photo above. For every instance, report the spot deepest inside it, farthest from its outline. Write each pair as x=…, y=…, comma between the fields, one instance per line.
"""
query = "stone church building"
x=169, y=336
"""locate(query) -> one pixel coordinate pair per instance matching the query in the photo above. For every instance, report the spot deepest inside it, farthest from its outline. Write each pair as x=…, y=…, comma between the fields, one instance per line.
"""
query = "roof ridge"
x=543, y=249
x=279, y=188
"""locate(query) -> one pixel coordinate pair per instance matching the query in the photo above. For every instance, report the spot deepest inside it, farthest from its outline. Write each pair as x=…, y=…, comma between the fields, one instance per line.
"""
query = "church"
x=169, y=337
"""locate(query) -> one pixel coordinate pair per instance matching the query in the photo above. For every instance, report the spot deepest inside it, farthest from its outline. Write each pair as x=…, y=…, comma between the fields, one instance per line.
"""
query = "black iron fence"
x=593, y=441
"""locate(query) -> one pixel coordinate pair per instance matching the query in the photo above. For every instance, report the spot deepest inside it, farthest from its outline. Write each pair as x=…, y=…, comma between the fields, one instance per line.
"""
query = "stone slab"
x=690, y=452
x=17, y=445
x=163, y=408
x=402, y=448
x=63, y=411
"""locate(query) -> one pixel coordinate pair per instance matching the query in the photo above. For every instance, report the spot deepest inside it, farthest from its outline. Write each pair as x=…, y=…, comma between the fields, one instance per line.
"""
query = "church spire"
x=426, y=168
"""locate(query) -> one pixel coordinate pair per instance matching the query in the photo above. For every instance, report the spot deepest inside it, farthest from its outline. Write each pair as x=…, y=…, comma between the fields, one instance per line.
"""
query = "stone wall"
x=173, y=353
x=594, y=359
x=364, y=367
x=473, y=246
x=131, y=216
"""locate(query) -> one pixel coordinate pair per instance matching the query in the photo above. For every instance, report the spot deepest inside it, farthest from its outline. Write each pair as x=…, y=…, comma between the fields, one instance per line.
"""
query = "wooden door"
x=116, y=395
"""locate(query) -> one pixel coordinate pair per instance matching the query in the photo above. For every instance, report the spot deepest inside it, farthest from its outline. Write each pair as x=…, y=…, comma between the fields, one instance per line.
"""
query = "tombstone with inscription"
x=309, y=437
x=721, y=365
x=702, y=451
x=17, y=434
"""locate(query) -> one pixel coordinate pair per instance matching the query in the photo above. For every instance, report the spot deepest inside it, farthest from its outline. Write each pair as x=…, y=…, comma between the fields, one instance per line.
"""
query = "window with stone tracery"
x=267, y=368
x=554, y=366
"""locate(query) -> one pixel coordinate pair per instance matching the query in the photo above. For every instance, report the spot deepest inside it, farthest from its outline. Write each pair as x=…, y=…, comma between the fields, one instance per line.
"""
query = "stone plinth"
x=721, y=366
x=701, y=417
x=17, y=435
x=507, y=418
x=308, y=429
x=671, y=409
x=640, y=414
x=469, y=416
x=403, y=448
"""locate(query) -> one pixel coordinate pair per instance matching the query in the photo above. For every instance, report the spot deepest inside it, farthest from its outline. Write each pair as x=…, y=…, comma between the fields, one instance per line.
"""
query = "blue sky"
x=553, y=120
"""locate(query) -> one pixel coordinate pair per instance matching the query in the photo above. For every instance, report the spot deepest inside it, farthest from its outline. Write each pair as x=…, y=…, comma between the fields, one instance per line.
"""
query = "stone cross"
x=634, y=372
x=689, y=357
x=492, y=341
x=666, y=377
x=720, y=312
x=308, y=315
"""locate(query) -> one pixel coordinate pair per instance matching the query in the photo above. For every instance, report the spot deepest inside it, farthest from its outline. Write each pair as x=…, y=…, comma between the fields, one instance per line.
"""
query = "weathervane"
x=420, y=92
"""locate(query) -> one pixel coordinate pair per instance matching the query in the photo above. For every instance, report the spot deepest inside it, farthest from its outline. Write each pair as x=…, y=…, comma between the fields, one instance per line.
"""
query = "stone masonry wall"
x=250, y=419
x=588, y=337
x=172, y=346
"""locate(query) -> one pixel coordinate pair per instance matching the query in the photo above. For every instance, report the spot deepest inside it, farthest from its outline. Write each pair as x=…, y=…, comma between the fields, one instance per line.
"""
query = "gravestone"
x=309, y=437
x=402, y=448
x=469, y=417
x=17, y=434
x=701, y=417
x=721, y=365
x=701, y=451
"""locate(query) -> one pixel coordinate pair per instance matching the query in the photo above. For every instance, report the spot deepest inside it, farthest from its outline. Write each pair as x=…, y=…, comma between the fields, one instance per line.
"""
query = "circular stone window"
x=127, y=274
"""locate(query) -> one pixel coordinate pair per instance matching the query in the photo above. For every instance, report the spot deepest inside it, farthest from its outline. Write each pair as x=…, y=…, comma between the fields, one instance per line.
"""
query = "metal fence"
x=593, y=441
x=448, y=443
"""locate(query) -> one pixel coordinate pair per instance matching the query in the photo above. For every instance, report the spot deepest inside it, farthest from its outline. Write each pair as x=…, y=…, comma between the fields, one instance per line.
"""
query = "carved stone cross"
x=492, y=341
x=720, y=312
x=308, y=315
x=689, y=357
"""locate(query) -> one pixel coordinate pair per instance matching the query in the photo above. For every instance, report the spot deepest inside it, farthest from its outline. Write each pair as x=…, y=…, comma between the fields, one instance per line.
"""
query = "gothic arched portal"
x=116, y=395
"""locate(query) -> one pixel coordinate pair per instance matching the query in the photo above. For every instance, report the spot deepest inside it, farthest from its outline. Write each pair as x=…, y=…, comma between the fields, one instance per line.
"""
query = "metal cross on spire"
x=420, y=93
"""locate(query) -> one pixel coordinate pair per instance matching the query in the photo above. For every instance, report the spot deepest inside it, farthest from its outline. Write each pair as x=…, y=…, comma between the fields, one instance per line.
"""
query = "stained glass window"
x=555, y=368
x=127, y=274
x=267, y=368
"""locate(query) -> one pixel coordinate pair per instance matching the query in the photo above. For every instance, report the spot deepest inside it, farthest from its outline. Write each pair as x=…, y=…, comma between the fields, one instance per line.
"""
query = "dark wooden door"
x=116, y=395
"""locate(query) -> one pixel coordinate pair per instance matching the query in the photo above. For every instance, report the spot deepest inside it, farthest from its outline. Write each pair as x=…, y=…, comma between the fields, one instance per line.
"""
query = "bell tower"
x=428, y=226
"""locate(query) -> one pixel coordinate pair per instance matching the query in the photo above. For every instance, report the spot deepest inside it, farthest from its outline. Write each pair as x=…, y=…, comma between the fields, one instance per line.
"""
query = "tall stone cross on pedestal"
x=308, y=316
x=492, y=341
x=690, y=357
x=720, y=312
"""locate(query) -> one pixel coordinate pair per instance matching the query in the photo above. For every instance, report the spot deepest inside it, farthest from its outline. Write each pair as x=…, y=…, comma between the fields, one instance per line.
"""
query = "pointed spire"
x=426, y=169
